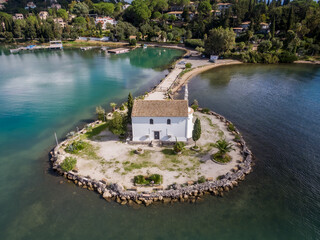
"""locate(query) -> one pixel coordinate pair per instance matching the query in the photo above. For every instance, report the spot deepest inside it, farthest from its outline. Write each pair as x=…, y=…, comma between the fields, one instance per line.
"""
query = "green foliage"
x=196, y=133
x=205, y=110
x=100, y=112
x=130, y=106
x=194, y=43
x=152, y=179
x=219, y=157
x=96, y=130
x=133, y=42
x=194, y=107
x=219, y=41
x=68, y=164
x=264, y=46
x=103, y=8
x=231, y=127
x=201, y=179
x=117, y=125
x=75, y=147
x=287, y=57
x=188, y=65
x=223, y=146
x=178, y=147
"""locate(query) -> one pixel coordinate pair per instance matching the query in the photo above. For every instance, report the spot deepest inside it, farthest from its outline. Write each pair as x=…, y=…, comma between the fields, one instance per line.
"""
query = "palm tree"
x=223, y=146
x=113, y=105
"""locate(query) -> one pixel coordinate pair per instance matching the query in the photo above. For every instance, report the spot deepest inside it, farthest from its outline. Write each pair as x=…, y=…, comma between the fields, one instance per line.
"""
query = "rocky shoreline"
x=176, y=193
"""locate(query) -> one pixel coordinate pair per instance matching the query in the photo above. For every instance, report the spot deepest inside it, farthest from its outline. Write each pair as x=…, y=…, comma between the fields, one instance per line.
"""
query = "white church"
x=161, y=120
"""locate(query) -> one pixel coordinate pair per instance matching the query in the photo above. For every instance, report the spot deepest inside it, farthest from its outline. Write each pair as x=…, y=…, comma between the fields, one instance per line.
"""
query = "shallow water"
x=276, y=107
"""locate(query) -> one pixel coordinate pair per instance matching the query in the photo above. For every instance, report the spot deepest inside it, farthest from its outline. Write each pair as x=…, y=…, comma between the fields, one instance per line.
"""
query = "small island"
x=155, y=150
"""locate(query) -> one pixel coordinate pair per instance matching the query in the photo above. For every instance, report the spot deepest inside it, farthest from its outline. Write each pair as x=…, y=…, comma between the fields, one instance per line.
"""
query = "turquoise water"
x=276, y=107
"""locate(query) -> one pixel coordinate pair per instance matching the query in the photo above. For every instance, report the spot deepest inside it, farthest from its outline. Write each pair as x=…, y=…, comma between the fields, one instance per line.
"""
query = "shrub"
x=75, y=147
x=194, y=43
x=156, y=178
x=188, y=65
x=142, y=180
x=194, y=107
x=122, y=107
x=221, y=158
x=205, y=110
x=133, y=42
x=117, y=124
x=287, y=57
x=68, y=164
x=100, y=112
x=201, y=179
x=178, y=146
x=139, y=179
x=231, y=127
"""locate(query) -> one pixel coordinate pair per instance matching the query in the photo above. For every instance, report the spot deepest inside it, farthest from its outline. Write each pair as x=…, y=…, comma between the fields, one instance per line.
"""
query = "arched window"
x=151, y=121
x=168, y=121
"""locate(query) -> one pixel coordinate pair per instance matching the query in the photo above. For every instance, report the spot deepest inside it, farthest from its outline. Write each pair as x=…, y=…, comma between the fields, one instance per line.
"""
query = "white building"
x=104, y=21
x=56, y=6
x=163, y=120
x=43, y=15
x=224, y=6
x=30, y=5
x=18, y=16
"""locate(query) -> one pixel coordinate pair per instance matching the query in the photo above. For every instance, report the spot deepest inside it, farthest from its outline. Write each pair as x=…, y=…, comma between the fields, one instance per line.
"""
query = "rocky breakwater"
x=190, y=192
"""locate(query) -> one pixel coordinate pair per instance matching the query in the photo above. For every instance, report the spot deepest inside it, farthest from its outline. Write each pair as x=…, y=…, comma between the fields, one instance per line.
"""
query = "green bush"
x=139, y=179
x=68, y=164
x=122, y=107
x=194, y=107
x=231, y=127
x=156, y=178
x=201, y=179
x=117, y=124
x=178, y=147
x=219, y=157
x=287, y=57
x=133, y=42
x=188, y=65
x=205, y=110
x=75, y=147
x=194, y=43
x=142, y=180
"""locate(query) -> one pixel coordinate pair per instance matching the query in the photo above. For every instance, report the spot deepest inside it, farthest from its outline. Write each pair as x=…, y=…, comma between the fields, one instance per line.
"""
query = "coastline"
x=191, y=192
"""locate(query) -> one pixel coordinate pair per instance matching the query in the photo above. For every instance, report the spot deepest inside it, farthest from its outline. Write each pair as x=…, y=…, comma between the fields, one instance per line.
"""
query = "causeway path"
x=173, y=82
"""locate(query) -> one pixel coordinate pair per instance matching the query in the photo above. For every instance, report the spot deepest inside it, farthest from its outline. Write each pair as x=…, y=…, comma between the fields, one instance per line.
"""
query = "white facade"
x=104, y=21
x=179, y=129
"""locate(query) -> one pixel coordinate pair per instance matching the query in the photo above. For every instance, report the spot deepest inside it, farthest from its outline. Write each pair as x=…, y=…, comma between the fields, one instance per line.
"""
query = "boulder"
x=106, y=195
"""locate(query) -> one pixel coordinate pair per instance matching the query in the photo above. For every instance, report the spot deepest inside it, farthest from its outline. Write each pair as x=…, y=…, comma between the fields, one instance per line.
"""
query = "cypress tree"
x=130, y=105
x=196, y=133
x=273, y=27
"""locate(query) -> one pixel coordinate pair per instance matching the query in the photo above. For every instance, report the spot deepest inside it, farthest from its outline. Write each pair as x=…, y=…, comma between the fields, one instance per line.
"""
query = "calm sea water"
x=276, y=108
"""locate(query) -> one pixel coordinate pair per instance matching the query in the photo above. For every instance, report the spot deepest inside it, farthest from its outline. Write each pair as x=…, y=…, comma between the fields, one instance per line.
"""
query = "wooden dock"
x=119, y=50
x=53, y=45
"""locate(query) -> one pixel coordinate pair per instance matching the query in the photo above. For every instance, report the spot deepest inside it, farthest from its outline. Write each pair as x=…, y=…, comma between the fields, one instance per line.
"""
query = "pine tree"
x=196, y=133
x=130, y=105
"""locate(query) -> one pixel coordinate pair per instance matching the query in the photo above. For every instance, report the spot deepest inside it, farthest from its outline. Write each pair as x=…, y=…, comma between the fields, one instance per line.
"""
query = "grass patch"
x=185, y=71
x=91, y=132
x=214, y=126
x=218, y=157
x=68, y=164
x=231, y=127
x=83, y=148
x=146, y=180
x=137, y=165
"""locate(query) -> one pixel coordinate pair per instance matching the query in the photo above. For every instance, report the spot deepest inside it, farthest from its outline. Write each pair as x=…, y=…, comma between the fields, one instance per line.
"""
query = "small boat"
x=85, y=48
x=145, y=46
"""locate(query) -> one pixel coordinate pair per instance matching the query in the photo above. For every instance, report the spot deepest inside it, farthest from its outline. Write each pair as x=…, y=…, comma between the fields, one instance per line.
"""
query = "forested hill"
x=276, y=25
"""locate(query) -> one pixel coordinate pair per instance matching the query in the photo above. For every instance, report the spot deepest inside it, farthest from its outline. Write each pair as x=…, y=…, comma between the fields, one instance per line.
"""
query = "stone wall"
x=176, y=193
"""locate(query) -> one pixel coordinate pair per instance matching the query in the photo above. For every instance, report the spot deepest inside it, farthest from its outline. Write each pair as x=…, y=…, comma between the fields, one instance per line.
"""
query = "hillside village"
x=270, y=28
